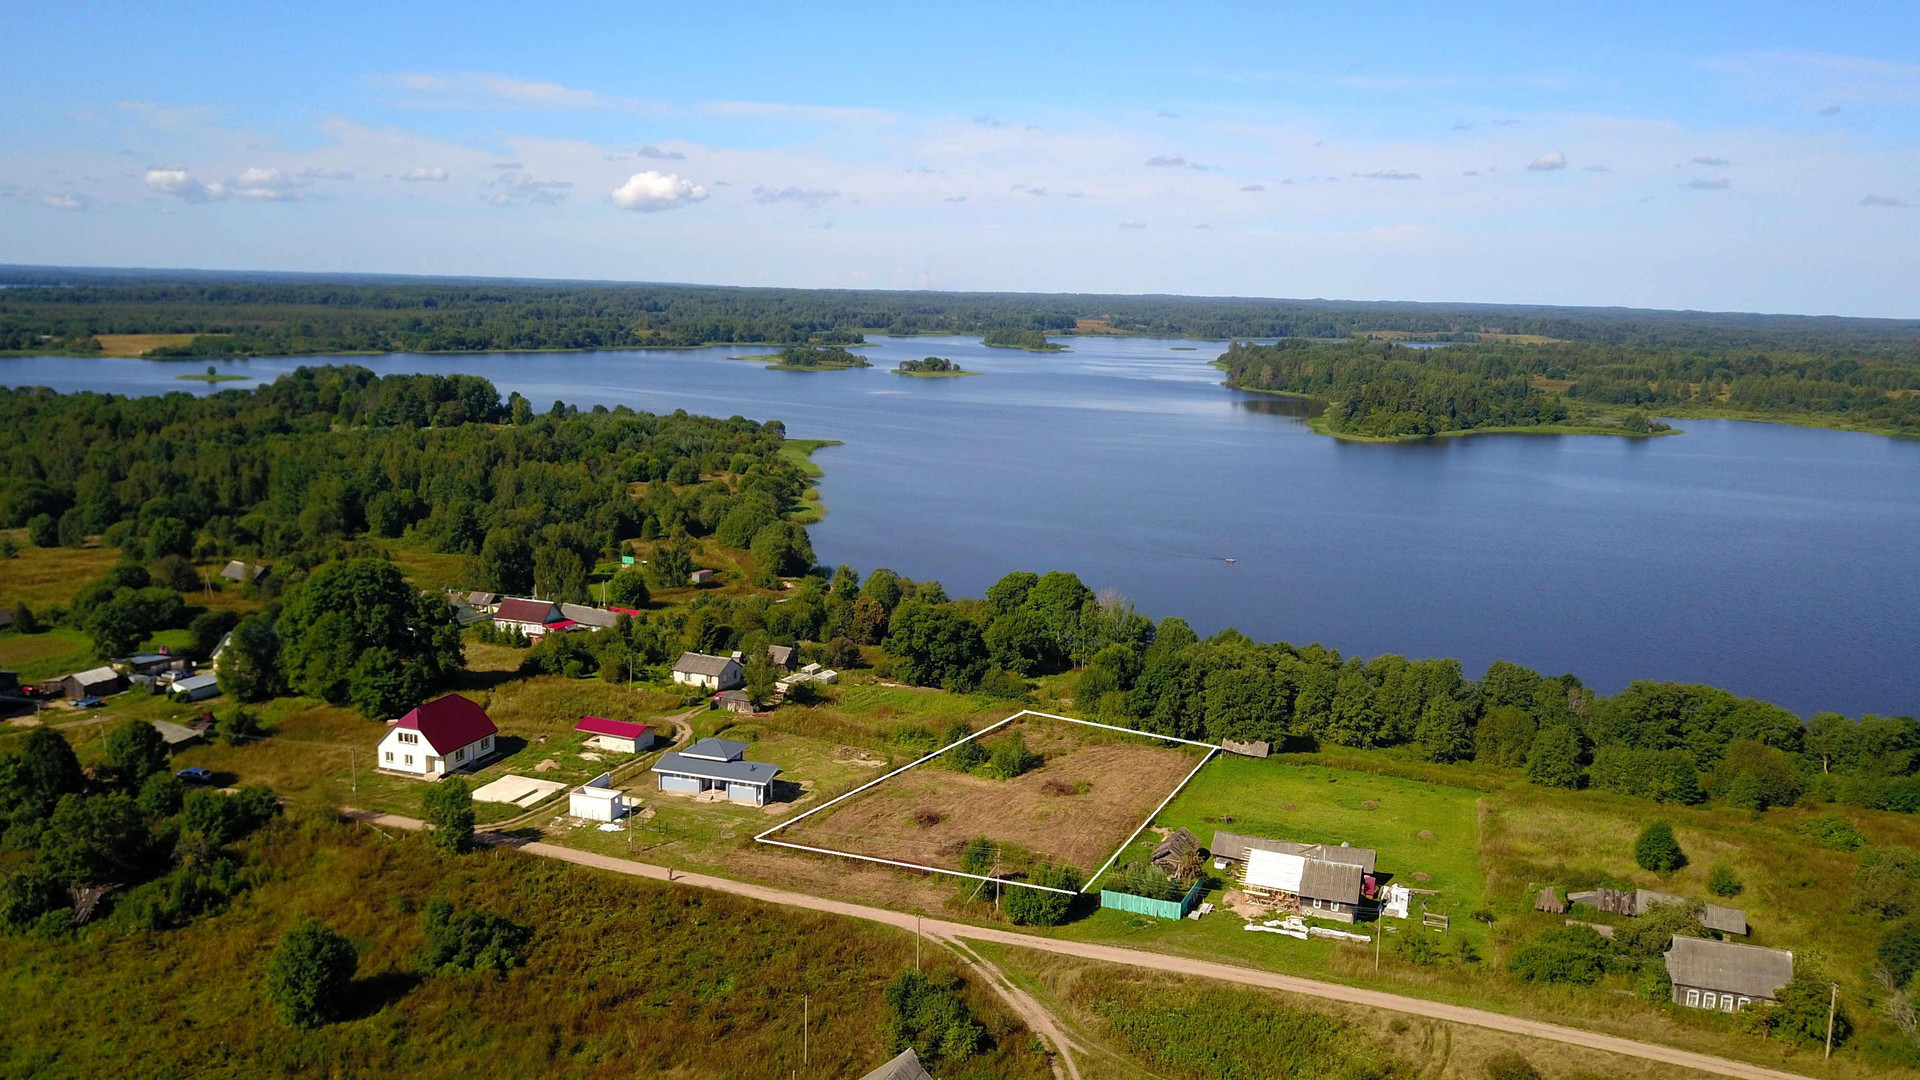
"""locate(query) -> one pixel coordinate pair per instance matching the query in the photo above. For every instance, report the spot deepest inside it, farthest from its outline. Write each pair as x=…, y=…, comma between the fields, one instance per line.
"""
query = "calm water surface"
x=1775, y=561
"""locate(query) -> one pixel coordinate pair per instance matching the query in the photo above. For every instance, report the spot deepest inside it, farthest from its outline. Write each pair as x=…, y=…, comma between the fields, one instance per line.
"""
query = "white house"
x=619, y=736
x=530, y=617
x=598, y=800
x=716, y=765
x=437, y=738
x=708, y=672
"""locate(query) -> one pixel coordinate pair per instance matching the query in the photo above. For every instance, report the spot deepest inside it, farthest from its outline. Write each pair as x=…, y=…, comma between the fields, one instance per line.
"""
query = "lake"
x=1775, y=561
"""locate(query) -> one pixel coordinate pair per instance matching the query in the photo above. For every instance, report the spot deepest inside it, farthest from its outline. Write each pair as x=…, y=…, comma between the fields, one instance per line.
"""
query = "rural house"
x=442, y=736
x=92, y=683
x=589, y=618
x=782, y=656
x=598, y=800
x=716, y=765
x=483, y=602
x=1233, y=847
x=1725, y=975
x=1637, y=902
x=530, y=617
x=1327, y=890
x=149, y=663
x=619, y=736
x=243, y=573
x=905, y=1067
x=734, y=701
x=1168, y=853
x=708, y=672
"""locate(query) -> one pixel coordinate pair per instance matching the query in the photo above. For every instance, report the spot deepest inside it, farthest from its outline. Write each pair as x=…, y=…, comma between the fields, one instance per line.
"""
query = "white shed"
x=598, y=800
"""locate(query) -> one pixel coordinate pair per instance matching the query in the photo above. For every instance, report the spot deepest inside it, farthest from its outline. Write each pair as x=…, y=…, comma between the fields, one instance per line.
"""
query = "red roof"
x=449, y=723
x=619, y=729
x=526, y=611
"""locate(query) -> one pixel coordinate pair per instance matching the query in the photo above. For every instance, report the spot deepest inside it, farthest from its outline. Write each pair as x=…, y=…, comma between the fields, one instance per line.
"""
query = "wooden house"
x=1725, y=976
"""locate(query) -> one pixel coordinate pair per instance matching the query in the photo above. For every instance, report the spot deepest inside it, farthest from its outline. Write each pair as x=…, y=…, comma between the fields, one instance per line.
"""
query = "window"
x=1709, y=1000
x=1693, y=999
x=409, y=759
x=389, y=755
x=409, y=737
x=1726, y=1002
x=459, y=754
x=1745, y=1001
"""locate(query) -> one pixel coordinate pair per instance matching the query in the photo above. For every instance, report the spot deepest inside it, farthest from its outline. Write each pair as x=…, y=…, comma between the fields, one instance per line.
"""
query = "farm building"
x=482, y=601
x=588, y=618
x=1233, y=847
x=195, y=688
x=1637, y=902
x=442, y=736
x=716, y=765
x=783, y=656
x=1724, y=975
x=149, y=664
x=93, y=682
x=905, y=1067
x=734, y=701
x=530, y=617
x=699, y=577
x=1328, y=890
x=1168, y=853
x=598, y=800
x=708, y=672
x=243, y=573
x=811, y=673
x=619, y=736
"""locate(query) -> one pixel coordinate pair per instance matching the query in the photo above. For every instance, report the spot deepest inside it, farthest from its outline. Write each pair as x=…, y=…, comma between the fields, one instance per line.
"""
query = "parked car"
x=196, y=775
x=88, y=703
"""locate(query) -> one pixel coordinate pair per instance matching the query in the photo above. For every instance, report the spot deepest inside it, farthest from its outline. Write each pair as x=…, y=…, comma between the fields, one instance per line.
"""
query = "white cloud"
x=812, y=197
x=1388, y=174
x=263, y=183
x=658, y=154
x=66, y=200
x=1884, y=200
x=1166, y=161
x=1547, y=162
x=1253, y=187
x=424, y=174
x=1133, y=224
x=1596, y=168
x=514, y=188
x=181, y=185
x=652, y=191
x=1711, y=162
x=322, y=172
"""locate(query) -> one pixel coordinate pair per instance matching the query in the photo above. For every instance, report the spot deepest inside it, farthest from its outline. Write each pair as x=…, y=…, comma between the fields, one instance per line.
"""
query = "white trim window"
x=1726, y=1002
x=1693, y=999
x=409, y=759
x=1709, y=1001
x=389, y=755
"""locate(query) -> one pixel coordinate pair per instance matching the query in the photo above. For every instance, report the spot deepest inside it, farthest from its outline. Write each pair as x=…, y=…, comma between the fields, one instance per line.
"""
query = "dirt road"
x=943, y=930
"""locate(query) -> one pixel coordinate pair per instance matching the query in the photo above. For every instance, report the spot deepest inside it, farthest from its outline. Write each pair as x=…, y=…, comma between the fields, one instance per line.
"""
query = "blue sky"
x=1753, y=156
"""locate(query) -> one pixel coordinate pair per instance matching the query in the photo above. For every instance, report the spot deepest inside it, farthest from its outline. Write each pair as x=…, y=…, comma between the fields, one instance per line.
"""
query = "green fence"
x=1159, y=909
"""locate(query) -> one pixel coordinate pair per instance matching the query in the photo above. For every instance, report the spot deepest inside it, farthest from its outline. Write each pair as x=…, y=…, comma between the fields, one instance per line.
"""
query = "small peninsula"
x=1030, y=340
x=933, y=367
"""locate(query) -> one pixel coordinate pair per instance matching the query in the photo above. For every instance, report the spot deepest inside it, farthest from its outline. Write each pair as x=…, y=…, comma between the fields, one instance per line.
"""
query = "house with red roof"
x=619, y=736
x=446, y=735
x=531, y=617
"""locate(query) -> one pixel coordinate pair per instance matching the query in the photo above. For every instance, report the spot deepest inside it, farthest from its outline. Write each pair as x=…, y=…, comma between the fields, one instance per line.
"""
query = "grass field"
x=623, y=978
x=45, y=577
x=1076, y=808
x=140, y=344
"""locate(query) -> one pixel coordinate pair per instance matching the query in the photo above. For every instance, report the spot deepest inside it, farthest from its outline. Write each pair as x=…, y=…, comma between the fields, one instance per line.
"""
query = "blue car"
x=196, y=775
x=89, y=703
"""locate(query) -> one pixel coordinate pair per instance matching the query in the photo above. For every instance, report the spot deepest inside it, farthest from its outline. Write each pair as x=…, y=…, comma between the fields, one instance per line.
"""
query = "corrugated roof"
x=1229, y=845
x=905, y=1067
x=746, y=772
x=1748, y=970
x=515, y=609
x=1321, y=880
x=196, y=682
x=588, y=616
x=619, y=729
x=1274, y=870
x=713, y=749
x=694, y=663
x=449, y=723
x=173, y=734
x=1724, y=919
x=94, y=676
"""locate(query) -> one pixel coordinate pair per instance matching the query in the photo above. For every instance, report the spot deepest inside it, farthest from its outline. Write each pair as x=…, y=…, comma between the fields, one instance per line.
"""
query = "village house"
x=589, y=618
x=92, y=683
x=150, y=663
x=1725, y=976
x=598, y=800
x=716, y=765
x=904, y=1067
x=707, y=672
x=531, y=617
x=1637, y=902
x=241, y=573
x=1233, y=847
x=1322, y=880
x=483, y=602
x=783, y=656
x=1168, y=854
x=440, y=737
x=618, y=736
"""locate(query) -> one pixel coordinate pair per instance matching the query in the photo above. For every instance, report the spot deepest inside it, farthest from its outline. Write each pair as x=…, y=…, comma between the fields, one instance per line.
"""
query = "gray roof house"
x=782, y=656
x=905, y=1067
x=708, y=672
x=1725, y=975
x=592, y=618
x=1167, y=853
x=716, y=765
x=175, y=735
x=1234, y=847
x=243, y=573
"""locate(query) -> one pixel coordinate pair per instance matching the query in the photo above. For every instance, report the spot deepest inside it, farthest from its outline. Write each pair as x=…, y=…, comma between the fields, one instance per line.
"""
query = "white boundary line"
x=762, y=837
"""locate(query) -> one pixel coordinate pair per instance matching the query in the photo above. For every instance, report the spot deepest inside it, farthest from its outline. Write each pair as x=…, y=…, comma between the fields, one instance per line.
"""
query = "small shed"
x=93, y=682
x=1724, y=919
x=699, y=577
x=174, y=735
x=619, y=736
x=783, y=656
x=1549, y=901
x=1725, y=976
x=598, y=800
x=148, y=664
x=1178, y=844
x=734, y=701
x=196, y=688
x=241, y=573
x=905, y=1067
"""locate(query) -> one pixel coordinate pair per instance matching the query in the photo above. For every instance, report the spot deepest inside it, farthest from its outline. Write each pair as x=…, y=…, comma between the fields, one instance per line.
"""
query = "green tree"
x=506, y=562
x=471, y=940
x=1444, y=734
x=1561, y=954
x=669, y=567
x=1657, y=849
x=310, y=975
x=1885, y=880
x=760, y=672
x=1009, y=594
x=208, y=628
x=1554, y=758
x=45, y=770
x=937, y=646
x=347, y=608
x=781, y=548
x=562, y=562
x=249, y=667
x=238, y=726
x=628, y=588
x=1899, y=952
x=384, y=686
x=1242, y=704
x=135, y=751
x=1508, y=1065
x=1037, y=907
x=448, y=808
x=1800, y=1012
x=42, y=532
x=161, y=795
x=1503, y=737
x=1723, y=882
x=94, y=840
x=25, y=621
x=169, y=536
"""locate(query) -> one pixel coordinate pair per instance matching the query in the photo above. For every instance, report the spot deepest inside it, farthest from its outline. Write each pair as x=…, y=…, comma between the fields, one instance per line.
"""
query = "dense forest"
x=61, y=309
x=1381, y=389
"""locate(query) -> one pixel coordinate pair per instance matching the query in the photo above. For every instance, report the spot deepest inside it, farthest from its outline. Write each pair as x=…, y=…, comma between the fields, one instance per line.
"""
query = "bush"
x=1038, y=907
x=1884, y=882
x=1800, y=1014
x=1004, y=685
x=628, y=588
x=238, y=726
x=978, y=856
x=1833, y=831
x=1508, y=1065
x=135, y=751
x=161, y=795
x=929, y=1015
x=310, y=974
x=1723, y=882
x=1657, y=850
x=1899, y=952
x=448, y=808
x=1010, y=757
x=25, y=895
x=1561, y=954
x=1146, y=879
x=1660, y=775
x=968, y=755
x=471, y=940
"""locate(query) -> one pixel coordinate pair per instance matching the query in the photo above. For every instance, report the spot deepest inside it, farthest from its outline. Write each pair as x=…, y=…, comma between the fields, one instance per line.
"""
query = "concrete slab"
x=521, y=791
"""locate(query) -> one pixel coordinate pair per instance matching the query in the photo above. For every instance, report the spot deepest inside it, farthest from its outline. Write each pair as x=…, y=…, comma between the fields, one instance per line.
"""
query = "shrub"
x=238, y=726
x=1010, y=757
x=471, y=940
x=1800, y=1014
x=1833, y=831
x=1660, y=775
x=1723, y=882
x=1657, y=850
x=1885, y=880
x=1039, y=907
x=161, y=795
x=978, y=856
x=628, y=588
x=25, y=895
x=1899, y=952
x=448, y=808
x=135, y=751
x=1146, y=879
x=310, y=974
x=968, y=755
x=1561, y=954
x=929, y=1015
x=1004, y=685
x=1508, y=1065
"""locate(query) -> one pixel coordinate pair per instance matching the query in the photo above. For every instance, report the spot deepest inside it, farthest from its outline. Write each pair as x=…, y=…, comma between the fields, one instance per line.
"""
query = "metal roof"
x=712, y=749
x=1748, y=970
x=619, y=729
x=905, y=1067
x=1228, y=845
x=517, y=609
x=196, y=682
x=173, y=734
x=589, y=616
x=694, y=663
x=737, y=772
x=449, y=723
x=94, y=676
x=1724, y=919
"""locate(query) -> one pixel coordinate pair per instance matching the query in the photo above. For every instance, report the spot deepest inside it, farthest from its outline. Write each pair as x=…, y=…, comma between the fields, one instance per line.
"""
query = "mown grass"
x=623, y=978
x=48, y=577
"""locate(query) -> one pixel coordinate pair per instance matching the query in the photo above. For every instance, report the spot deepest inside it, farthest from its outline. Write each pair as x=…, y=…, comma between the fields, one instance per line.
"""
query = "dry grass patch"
x=44, y=577
x=140, y=344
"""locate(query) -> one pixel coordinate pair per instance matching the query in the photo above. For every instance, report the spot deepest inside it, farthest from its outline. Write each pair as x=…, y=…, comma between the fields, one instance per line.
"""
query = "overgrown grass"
x=624, y=978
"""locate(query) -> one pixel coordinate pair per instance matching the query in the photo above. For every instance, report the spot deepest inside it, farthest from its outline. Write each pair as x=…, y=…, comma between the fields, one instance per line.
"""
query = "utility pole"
x=806, y=1020
x=1379, y=930
x=916, y=943
x=353, y=768
x=1833, y=1006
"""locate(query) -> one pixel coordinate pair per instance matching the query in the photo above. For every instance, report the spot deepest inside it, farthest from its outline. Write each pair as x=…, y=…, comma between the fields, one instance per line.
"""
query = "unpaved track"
x=1114, y=954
